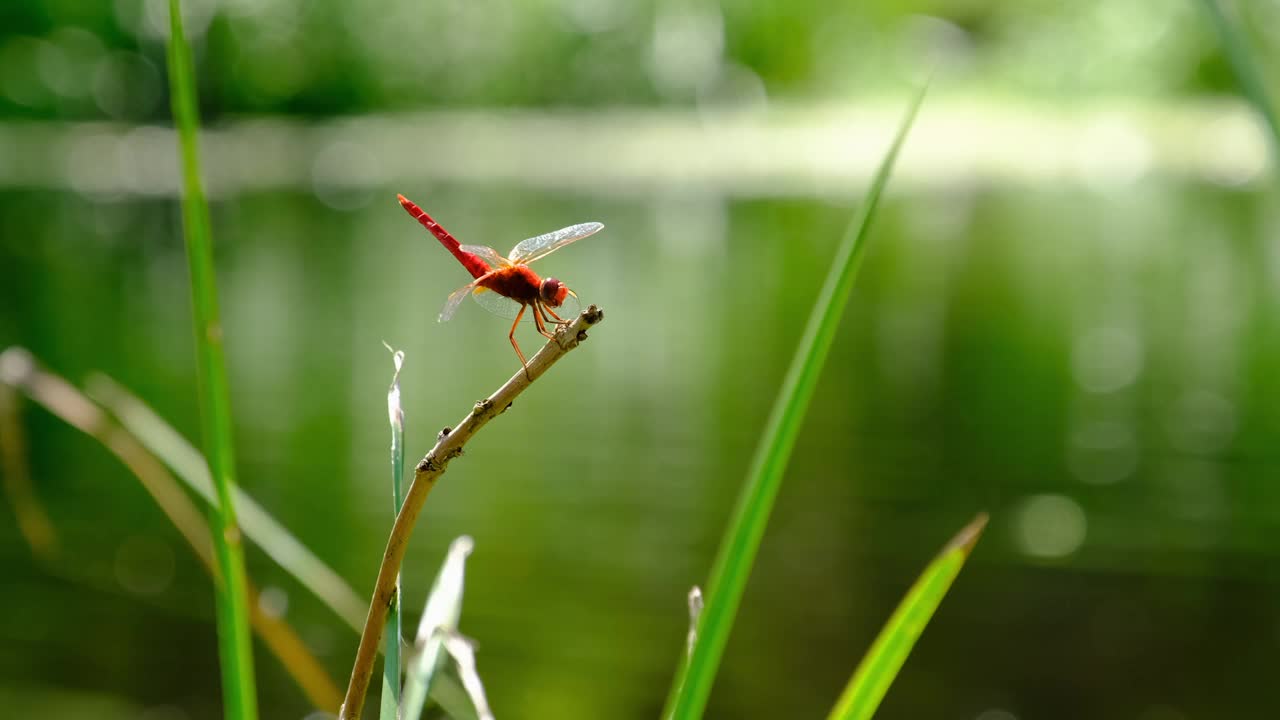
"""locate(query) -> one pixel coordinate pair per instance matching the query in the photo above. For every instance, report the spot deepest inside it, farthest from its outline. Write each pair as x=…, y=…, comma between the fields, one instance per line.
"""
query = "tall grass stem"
x=691, y=687
x=235, y=649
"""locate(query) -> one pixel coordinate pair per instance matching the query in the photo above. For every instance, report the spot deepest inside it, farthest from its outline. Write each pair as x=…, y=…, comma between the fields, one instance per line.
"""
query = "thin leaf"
x=464, y=654
x=166, y=443
x=692, y=685
x=881, y=665
x=439, y=617
x=19, y=369
x=390, y=703
x=447, y=692
x=235, y=649
x=1247, y=69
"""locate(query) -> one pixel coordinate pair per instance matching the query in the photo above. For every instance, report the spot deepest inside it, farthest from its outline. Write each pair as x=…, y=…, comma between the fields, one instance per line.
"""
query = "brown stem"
x=448, y=446
x=33, y=521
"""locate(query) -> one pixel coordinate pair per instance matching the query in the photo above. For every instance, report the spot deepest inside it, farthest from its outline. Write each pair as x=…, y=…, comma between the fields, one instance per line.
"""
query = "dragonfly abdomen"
x=470, y=261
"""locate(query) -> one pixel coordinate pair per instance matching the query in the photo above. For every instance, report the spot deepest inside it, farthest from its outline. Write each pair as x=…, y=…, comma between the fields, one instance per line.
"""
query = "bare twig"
x=448, y=446
x=19, y=370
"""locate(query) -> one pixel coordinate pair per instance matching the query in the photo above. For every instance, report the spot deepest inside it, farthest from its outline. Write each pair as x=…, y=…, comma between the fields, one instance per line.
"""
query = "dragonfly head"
x=553, y=292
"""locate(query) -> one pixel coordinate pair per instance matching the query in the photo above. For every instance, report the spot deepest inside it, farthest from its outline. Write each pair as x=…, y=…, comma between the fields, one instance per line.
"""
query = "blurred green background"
x=1068, y=318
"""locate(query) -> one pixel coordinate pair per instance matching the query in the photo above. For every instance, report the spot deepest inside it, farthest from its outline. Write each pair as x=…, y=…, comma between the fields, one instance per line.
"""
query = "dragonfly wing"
x=499, y=304
x=487, y=254
x=455, y=299
x=505, y=307
x=539, y=247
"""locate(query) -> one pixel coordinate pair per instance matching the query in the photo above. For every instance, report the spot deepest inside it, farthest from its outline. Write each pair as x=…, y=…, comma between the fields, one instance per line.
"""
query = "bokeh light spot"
x=154, y=17
x=1106, y=359
x=273, y=601
x=686, y=50
x=125, y=85
x=595, y=16
x=1050, y=526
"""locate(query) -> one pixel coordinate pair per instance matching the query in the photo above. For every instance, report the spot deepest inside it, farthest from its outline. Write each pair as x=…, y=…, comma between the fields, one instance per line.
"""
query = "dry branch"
x=429, y=469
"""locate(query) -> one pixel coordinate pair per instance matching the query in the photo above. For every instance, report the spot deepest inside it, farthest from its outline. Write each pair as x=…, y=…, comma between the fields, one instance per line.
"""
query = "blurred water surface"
x=1068, y=318
x=1091, y=368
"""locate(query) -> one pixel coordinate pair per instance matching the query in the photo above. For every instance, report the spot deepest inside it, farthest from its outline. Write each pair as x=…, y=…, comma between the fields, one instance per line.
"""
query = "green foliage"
x=234, y=647
x=692, y=685
x=878, y=669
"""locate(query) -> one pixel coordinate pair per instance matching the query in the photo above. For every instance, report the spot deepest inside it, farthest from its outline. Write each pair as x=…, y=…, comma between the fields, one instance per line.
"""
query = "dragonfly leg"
x=538, y=310
x=547, y=315
x=512, y=337
x=558, y=320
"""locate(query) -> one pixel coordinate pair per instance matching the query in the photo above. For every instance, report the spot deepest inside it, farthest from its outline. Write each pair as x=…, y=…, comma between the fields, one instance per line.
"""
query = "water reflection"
x=1086, y=383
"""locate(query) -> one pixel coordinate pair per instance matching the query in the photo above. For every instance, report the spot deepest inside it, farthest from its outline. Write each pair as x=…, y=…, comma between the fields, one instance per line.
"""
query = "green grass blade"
x=390, y=703
x=881, y=665
x=235, y=649
x=422, y=676
x=1247, y=70
x=692, y=684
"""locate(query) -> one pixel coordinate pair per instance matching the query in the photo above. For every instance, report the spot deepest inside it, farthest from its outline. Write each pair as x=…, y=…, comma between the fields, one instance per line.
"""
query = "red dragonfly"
x=506, y=286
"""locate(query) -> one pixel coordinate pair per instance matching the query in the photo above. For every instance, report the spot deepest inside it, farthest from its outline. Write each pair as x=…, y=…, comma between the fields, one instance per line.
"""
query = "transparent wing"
x=539, y=247
x=499, y=304
x=503, y=306
x=487, y=254
x=455, y=299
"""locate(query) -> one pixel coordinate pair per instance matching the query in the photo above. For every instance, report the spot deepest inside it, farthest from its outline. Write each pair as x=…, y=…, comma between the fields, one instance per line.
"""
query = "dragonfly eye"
x=553, y=291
